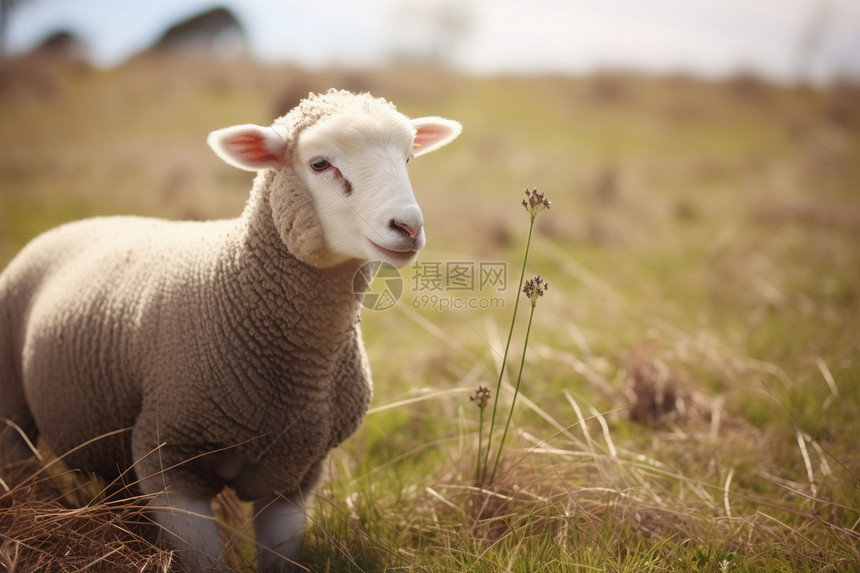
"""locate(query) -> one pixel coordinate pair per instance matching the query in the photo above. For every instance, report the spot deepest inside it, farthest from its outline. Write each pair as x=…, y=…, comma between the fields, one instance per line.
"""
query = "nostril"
x=411, y=231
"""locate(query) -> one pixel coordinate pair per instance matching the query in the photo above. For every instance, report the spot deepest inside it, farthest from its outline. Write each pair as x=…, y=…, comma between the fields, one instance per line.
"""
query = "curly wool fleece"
x=232, y=337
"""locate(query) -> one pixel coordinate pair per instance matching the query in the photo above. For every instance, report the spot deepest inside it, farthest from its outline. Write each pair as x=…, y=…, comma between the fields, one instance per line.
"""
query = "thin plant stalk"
x=507, y=347
x=514, y=401
x=480, y=398
x=480, y=440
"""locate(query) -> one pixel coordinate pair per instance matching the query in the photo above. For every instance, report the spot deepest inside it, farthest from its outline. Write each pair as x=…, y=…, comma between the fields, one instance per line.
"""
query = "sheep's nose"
x=411, y=231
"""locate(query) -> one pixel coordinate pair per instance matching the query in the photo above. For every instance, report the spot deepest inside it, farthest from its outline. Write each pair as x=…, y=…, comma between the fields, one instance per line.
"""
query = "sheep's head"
x=341, y=186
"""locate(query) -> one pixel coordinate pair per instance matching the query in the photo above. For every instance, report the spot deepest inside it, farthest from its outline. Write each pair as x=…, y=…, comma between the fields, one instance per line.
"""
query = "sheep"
x=219, y=353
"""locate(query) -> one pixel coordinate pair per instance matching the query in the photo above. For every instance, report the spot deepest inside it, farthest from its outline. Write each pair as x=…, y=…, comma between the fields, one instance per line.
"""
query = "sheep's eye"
x=319, y=164
x=407, y=159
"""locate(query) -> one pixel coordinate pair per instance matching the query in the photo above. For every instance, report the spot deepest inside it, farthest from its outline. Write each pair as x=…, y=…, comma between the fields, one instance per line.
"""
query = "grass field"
x=691, y=386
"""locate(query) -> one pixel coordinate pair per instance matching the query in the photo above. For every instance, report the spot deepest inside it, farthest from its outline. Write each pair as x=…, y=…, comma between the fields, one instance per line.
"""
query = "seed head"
x=534, y=288
x=535, y=202
x=481, y=397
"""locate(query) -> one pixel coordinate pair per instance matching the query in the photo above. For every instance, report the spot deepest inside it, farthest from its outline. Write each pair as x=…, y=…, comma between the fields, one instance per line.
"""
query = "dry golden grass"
x=48, y=524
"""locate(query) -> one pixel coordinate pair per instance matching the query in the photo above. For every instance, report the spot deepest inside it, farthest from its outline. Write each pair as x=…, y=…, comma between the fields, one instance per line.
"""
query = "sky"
x=784, y=40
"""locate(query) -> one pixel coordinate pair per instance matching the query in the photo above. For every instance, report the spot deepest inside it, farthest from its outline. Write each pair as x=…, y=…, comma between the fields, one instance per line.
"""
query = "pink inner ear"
x=252, y=148
x=428, y=135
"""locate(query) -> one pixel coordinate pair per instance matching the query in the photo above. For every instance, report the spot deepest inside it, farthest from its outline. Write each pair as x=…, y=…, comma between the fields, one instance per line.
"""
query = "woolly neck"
x=276, y=303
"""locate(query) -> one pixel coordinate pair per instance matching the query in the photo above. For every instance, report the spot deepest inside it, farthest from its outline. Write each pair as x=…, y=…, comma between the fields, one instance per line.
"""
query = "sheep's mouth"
x=400, y=256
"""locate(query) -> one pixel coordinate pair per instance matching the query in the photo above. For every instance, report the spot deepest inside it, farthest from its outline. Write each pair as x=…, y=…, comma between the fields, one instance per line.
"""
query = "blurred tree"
x=431, y=32
x=813, y=34
x=62, y=45
x=6, y=7
x=216, y=30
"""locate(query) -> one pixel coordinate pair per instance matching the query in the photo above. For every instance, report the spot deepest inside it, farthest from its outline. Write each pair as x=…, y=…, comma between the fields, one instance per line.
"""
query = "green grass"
x=690, y=395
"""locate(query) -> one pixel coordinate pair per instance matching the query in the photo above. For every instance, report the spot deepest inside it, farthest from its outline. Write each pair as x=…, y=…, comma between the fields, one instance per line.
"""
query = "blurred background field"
x=690, y=395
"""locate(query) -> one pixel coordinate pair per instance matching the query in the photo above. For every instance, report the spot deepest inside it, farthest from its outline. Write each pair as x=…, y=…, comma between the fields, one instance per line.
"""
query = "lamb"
x=218, y=353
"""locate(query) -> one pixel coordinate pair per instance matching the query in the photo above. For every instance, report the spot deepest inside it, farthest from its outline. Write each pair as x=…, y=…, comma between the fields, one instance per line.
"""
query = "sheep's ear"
x=433, y=132
x=250, y=147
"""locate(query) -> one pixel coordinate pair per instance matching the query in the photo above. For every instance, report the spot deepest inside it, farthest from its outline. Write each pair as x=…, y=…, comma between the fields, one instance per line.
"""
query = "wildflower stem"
x=480, y=440
x=516, y=393
x=507, y=347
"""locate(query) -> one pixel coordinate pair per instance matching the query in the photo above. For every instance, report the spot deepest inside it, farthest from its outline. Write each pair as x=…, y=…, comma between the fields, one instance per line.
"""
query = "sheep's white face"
x=354, y=166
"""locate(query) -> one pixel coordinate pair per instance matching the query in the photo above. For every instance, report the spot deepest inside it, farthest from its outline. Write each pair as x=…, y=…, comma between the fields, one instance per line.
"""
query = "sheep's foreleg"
x=188, y=526
x=279, y=524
